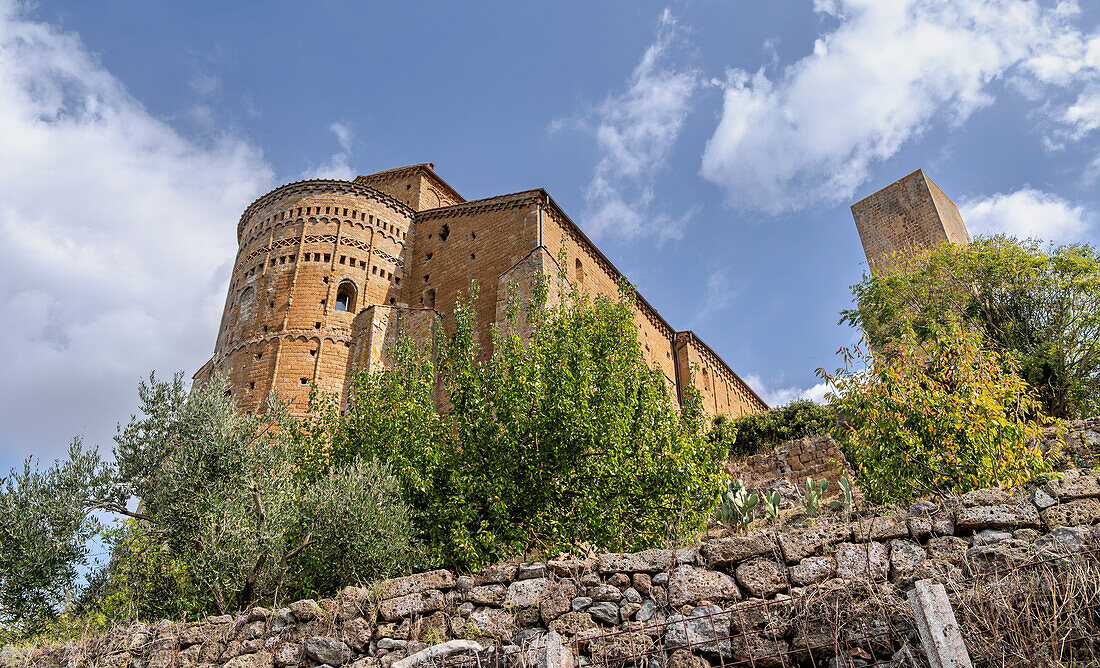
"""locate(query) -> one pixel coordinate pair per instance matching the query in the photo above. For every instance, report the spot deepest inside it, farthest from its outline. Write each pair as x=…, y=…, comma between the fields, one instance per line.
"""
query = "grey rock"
x=761, y=577
x=689, y=584
x=660, y=579
x=736, y=549
x=306, y=610
x=466, y=609
x=463, y=584
x=908, y=562
x=389, y=644
x=605, y=592
x=1016, y=516
x=1063, y=540
x=631, y=595
x=1072, y=513
x=986, y=497
x=490, y=594
x=705, y=629
x=862, y=561
x=327, y=650
x=881, y=528
x=990, y=536
x=499, y=573
x=530, y=571
x=1075, y=485
x=812, y=570
x=646, y=612
x=580, y=603
x=922, y=507
x=406, y=606
x=526, y=593
x=649, y=561
x=1041, y=499
x=416, y=584
x=797, y=545
x=494, y=623
x=281, y=619
x=604, y=611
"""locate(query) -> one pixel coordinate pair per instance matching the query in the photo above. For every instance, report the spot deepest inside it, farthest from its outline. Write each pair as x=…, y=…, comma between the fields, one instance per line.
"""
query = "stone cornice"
x=322, y=186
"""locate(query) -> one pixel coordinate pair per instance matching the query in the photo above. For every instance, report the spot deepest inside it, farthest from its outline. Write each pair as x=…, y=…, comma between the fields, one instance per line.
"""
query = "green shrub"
x=937, y=417
x=227, y=517
x=1039, y=308
x=750, y=434
x=563, y=440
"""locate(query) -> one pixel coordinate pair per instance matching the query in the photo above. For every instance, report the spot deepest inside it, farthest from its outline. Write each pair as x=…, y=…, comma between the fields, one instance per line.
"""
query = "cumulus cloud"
x=635, y=132
x=1026, y=213
x=118, y=235
x=718, y=295
x=338, y=166
x=781, y=396
x=888, y=71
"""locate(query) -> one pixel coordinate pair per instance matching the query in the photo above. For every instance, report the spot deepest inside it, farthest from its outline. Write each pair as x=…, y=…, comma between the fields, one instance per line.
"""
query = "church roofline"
x=322, y=185
x=692, y=336
x=426, y=168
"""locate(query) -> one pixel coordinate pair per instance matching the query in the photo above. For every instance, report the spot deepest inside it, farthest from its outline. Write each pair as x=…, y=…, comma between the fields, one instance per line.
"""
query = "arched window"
x=579, y=272
x=345, y=297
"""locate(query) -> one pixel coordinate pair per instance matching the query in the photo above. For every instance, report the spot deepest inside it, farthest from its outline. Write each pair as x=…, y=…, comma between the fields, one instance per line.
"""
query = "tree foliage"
x=226, y=516
x=752, y=433
x=942, y=415
x=1039, y=309
x=564, y=438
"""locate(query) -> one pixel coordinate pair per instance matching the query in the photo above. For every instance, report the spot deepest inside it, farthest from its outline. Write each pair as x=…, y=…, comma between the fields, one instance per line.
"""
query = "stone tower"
x=330, y=273
x=906, y=217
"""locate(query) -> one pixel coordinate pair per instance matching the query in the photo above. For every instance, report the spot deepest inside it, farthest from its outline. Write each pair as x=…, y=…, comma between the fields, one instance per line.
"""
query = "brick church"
x=329, y=273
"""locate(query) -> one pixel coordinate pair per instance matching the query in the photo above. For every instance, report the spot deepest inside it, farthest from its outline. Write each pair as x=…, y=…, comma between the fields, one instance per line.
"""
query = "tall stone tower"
x=906, y=217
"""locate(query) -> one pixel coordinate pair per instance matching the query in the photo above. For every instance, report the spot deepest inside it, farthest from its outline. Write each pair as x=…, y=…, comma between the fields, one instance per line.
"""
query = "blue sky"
x=710, y=148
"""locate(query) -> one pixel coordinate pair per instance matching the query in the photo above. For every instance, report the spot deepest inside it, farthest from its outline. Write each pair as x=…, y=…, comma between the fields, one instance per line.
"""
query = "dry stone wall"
x=814, y=457
x=615, y=606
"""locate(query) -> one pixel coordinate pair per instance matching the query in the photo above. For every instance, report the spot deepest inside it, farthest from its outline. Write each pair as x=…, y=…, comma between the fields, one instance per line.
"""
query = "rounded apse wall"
x=311, y=255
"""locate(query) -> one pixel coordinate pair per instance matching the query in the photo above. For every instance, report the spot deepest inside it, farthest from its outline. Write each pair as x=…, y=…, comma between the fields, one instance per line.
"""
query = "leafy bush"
x=1039, y=309
x=750, y=434
x=227, y=516
x=944, y=415
x=563, y=439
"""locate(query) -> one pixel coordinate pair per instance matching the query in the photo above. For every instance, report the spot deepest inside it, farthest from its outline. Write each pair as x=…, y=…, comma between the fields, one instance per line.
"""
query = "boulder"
x=704, y=629
x=415, y=584
x=572, y=623
x=881, y=528
x=761, y=577
x=908, y=562
x=986, y=497
x=733, y=550
x=812, y=570
x=797, y=545
x=1072, y=513
x=605, y=611
x=689, y=584
x=526, y=593
x=406, y=606
x=862, y=561
x=1074, y=485
x=306, y=610
x=649, y=561
x=1004, y=516
x=328, y=651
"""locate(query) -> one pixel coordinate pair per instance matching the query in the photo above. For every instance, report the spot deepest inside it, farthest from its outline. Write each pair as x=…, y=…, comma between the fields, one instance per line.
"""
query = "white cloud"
x=718, y=295
x=635, y=132
x=781, y=396
x=118, y=239
x=1026, y=213
x=886, y=73
x=338, y=165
